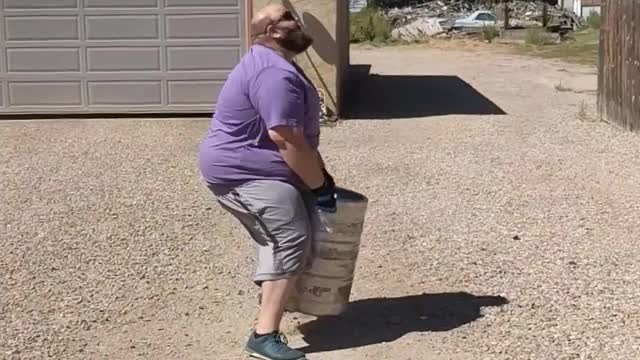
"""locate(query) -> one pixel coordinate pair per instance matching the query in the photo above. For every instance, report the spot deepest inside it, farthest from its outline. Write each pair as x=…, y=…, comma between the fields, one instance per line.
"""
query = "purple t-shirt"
x=263, y=91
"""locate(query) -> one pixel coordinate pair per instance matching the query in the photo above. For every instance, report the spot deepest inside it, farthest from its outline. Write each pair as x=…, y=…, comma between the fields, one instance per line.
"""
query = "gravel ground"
x=487, y=237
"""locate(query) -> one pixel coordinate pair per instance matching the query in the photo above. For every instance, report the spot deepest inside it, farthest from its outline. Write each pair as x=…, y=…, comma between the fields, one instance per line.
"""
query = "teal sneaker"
x=272, y=347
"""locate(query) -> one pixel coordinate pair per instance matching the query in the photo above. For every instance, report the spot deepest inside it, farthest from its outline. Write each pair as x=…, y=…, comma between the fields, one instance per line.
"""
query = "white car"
x=479, y=19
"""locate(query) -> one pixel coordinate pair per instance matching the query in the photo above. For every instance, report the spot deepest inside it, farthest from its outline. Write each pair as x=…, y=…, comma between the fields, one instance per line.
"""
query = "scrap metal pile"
x=437, y=17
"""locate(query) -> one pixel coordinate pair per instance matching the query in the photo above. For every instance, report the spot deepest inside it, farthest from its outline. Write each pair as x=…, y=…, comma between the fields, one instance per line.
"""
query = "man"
x=261, y=161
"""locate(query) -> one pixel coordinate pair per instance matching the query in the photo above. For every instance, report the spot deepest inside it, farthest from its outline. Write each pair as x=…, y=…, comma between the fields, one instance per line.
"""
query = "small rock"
x=517, y=237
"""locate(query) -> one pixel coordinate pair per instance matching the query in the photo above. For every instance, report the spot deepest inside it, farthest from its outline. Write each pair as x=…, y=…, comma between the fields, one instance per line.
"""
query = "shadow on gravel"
x=374, y=321
x=376, y=97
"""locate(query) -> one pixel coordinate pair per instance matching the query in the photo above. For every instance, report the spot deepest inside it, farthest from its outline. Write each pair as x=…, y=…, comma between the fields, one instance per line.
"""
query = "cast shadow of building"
x=376, y=97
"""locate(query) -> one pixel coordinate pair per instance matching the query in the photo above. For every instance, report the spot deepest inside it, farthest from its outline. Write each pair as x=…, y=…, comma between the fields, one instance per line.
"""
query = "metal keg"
x=324, y=289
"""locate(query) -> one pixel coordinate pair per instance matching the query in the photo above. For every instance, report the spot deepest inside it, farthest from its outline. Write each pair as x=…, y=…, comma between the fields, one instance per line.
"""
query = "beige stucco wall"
x=327, y=61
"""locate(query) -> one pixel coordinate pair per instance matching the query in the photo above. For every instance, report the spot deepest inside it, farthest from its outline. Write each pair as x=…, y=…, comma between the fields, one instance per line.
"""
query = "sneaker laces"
x=281, y=338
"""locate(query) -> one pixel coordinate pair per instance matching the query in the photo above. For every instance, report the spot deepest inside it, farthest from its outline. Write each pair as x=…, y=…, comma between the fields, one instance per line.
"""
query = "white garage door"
x=116, y=56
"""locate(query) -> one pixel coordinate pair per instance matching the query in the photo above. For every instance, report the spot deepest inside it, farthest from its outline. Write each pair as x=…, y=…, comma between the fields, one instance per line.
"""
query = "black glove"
x=326, y=194
x=328, y=178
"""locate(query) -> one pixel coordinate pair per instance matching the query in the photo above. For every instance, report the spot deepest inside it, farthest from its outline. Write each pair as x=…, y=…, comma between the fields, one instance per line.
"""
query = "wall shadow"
x=323, y=42
x=373, y=321
x=372, y=96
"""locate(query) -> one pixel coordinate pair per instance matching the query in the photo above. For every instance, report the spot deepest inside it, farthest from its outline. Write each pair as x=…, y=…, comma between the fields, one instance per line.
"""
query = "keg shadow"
x=374, y=321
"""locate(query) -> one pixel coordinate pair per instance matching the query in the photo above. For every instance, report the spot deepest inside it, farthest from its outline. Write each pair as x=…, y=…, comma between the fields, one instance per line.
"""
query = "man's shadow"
x=373, y=321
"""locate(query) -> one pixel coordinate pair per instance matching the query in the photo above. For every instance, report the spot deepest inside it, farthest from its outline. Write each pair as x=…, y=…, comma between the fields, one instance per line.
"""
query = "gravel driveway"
x=489, y=236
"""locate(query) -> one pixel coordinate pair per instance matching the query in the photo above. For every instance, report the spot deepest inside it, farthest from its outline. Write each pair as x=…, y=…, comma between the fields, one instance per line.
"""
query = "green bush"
x=490, y=32
x=538, y=37
x=594, y=20
x=369, y=25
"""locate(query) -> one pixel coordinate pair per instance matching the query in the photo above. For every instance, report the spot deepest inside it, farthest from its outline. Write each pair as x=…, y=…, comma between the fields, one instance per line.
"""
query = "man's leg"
x=276, y=217
x=274, y=298
x=285, y=223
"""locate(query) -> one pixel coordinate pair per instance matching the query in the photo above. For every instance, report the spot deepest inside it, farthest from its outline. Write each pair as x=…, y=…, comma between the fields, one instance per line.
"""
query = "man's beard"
x=296, y=41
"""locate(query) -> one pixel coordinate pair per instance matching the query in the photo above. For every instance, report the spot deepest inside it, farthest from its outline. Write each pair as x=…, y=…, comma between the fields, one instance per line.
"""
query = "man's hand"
x=328, y=178
x=326, y=194
x=304, y=162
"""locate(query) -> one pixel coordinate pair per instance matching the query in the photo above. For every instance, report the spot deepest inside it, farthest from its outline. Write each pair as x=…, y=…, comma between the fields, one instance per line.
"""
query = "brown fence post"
x=619, y=68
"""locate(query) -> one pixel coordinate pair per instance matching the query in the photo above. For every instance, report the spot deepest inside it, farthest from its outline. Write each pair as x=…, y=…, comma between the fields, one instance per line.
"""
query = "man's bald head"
x=277, y=27
x=266, y=16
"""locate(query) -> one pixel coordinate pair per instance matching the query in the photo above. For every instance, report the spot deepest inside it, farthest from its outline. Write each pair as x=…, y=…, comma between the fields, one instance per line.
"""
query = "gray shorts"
x=278, y=217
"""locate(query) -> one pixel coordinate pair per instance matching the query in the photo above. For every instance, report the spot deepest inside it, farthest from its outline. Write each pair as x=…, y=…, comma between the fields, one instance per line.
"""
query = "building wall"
x=587, y=10
x=568, y=4
x=327, y=61
x=583, y=7
x=591, y=2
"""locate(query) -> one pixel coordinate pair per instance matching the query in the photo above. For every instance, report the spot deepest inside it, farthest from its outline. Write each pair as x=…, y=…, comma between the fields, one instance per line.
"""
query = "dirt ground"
x=503, y=224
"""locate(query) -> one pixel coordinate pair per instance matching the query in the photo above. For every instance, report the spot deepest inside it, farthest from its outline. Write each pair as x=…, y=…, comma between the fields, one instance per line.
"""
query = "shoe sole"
x=258, y=356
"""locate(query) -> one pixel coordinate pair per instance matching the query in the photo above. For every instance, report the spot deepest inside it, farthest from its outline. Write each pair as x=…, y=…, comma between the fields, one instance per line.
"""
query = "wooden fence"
x=619, y=75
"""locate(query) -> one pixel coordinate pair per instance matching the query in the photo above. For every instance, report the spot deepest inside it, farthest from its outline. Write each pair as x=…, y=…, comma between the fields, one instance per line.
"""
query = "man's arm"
x=299, y=156
x=279, y=99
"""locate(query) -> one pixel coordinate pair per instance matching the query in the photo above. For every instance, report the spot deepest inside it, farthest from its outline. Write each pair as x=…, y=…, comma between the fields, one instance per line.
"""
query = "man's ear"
x=273, y=32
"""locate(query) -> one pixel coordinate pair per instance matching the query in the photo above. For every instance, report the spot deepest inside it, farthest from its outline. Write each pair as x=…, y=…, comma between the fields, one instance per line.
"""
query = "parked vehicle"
x=479, y=19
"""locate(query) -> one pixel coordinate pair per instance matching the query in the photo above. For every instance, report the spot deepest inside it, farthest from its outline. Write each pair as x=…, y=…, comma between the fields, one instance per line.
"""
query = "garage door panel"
x=131, y=93
x=191, y=58
x=119, y=76
x=198, y=92
x=218, y=75
x=200, y=3
x=203, y=26
x=43, y=60
x=64, y=93
x=40, y=4
x=123, y=59
x=121, y=4
x=122, y=27
x=97, y=56
x=128, y=43
x=26, y=28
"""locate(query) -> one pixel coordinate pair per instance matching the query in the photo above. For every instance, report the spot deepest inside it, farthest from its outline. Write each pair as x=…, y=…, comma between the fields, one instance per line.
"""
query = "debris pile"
x=418, y=29
x=442, y=10
x=528, y=11
x=438, y=17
